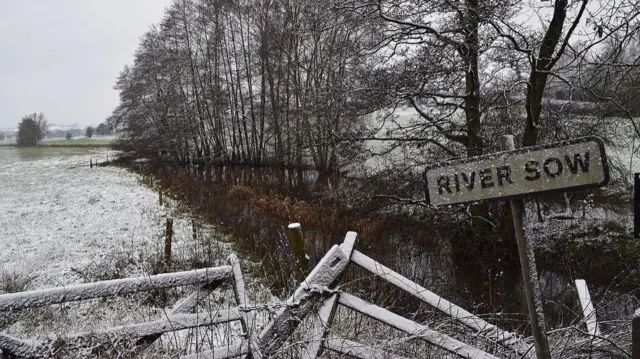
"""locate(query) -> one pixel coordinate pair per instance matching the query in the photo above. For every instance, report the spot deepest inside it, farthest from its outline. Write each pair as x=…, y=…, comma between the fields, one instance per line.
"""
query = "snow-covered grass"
x=95, y=140
x=60, y=215
x=66, y=223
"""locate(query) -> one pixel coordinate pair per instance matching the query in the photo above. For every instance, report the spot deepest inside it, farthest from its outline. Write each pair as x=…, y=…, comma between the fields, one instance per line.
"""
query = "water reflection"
x=21, y=154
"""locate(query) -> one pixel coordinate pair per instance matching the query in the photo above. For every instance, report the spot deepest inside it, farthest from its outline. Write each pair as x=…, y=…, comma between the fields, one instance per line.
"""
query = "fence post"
x=529, y=271
x=294, y=232
x=635, y=337
x=636, y=205
x=90, y=163
x=167, y=240
x=317, y=252
x=160, y=195
x=194, y=230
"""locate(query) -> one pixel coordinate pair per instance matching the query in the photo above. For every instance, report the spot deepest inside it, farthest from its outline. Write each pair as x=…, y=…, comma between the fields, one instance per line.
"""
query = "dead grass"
x=14, y=281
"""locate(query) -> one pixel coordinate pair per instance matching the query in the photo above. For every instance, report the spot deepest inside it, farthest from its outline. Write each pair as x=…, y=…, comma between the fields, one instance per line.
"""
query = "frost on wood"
x=321, y=322
x=412, y=328
x=301, y=302
x=483, y=327
x=588, y=310
x=17, y=347
x=315, y=335
x=38, y=298
x=185, y=305
x=80, y=341
x=246, y=317
x=189, y=303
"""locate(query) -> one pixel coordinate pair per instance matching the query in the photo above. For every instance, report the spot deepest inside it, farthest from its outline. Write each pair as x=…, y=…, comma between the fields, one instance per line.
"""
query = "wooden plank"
x=14, y=347
x=412, y=328
x=230, y=351
x=185, y=305
x=358, y=350
x=38, y=298
x=587, y=307
x=312, y=289
x=189, y=303
x=246, y=317
x=349, y=244
x=320, y=323
x=484, y=328
x=139, y=330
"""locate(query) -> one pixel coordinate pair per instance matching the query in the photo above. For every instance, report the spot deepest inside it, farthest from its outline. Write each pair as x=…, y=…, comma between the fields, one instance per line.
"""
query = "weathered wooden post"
x=317, y=252
x=529, y=270
x=294, y=231
x=167, y=240
x=194, y=231
x=160, y=195
x=635, y=337
x=90, y=163
x=636, y=205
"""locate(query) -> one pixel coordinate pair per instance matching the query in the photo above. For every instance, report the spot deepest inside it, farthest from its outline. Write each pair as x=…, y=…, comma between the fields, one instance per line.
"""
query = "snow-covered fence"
x=318, y=295
x=317, y=338
x=109, y=288
x=178, y=318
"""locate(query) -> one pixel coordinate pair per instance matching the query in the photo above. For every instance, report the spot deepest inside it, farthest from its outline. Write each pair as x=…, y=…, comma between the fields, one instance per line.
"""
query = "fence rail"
x=318, y=296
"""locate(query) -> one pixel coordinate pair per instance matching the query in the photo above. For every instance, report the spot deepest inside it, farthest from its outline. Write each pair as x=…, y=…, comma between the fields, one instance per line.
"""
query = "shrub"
x=613, y=226
x=13, y=282
x=31, y=129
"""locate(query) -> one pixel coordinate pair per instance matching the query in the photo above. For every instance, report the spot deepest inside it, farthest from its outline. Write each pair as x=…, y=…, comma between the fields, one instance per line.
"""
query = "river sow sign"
x=575, y=164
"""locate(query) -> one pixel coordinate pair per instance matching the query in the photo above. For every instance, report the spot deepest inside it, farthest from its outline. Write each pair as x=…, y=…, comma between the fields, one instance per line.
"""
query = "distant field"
x=102, y=141
x=80, y=141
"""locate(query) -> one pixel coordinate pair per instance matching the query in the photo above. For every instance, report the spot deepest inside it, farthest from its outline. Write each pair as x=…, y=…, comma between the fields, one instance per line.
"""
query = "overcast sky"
x=62, y=57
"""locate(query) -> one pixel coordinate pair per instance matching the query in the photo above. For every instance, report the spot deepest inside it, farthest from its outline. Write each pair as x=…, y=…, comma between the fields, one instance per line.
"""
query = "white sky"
x=62, y=57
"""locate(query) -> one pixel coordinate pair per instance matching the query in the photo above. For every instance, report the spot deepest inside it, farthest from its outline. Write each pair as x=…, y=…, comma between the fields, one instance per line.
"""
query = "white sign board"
x=573, y=164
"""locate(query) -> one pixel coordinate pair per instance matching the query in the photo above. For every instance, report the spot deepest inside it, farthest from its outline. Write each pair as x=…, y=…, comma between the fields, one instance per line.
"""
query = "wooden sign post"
x=529, y=271
x=636, y=205
x=635, y=338
x=512, y=174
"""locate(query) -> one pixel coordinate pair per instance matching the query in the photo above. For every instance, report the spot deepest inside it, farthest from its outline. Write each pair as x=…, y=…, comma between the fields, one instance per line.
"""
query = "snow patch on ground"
x=62, y=218
x=59, y=214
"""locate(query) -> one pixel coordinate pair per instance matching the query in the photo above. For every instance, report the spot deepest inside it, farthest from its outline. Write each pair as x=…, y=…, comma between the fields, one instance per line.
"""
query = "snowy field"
x=60, y=215
x=65, y=223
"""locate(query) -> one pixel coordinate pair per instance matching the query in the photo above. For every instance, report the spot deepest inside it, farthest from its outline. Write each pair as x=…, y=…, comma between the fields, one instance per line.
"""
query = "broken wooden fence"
x=317, y=295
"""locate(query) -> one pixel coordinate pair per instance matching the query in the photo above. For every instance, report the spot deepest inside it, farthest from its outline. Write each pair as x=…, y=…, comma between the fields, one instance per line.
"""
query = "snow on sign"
x=574, y=164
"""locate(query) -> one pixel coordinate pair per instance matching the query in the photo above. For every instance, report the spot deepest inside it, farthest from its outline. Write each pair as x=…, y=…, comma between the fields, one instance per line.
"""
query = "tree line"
x=245, y=82
x=34, y=127
x=307, y=83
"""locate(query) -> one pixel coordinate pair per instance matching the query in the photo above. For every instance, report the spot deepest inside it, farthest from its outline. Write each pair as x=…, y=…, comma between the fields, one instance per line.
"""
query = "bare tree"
x=31, y=129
